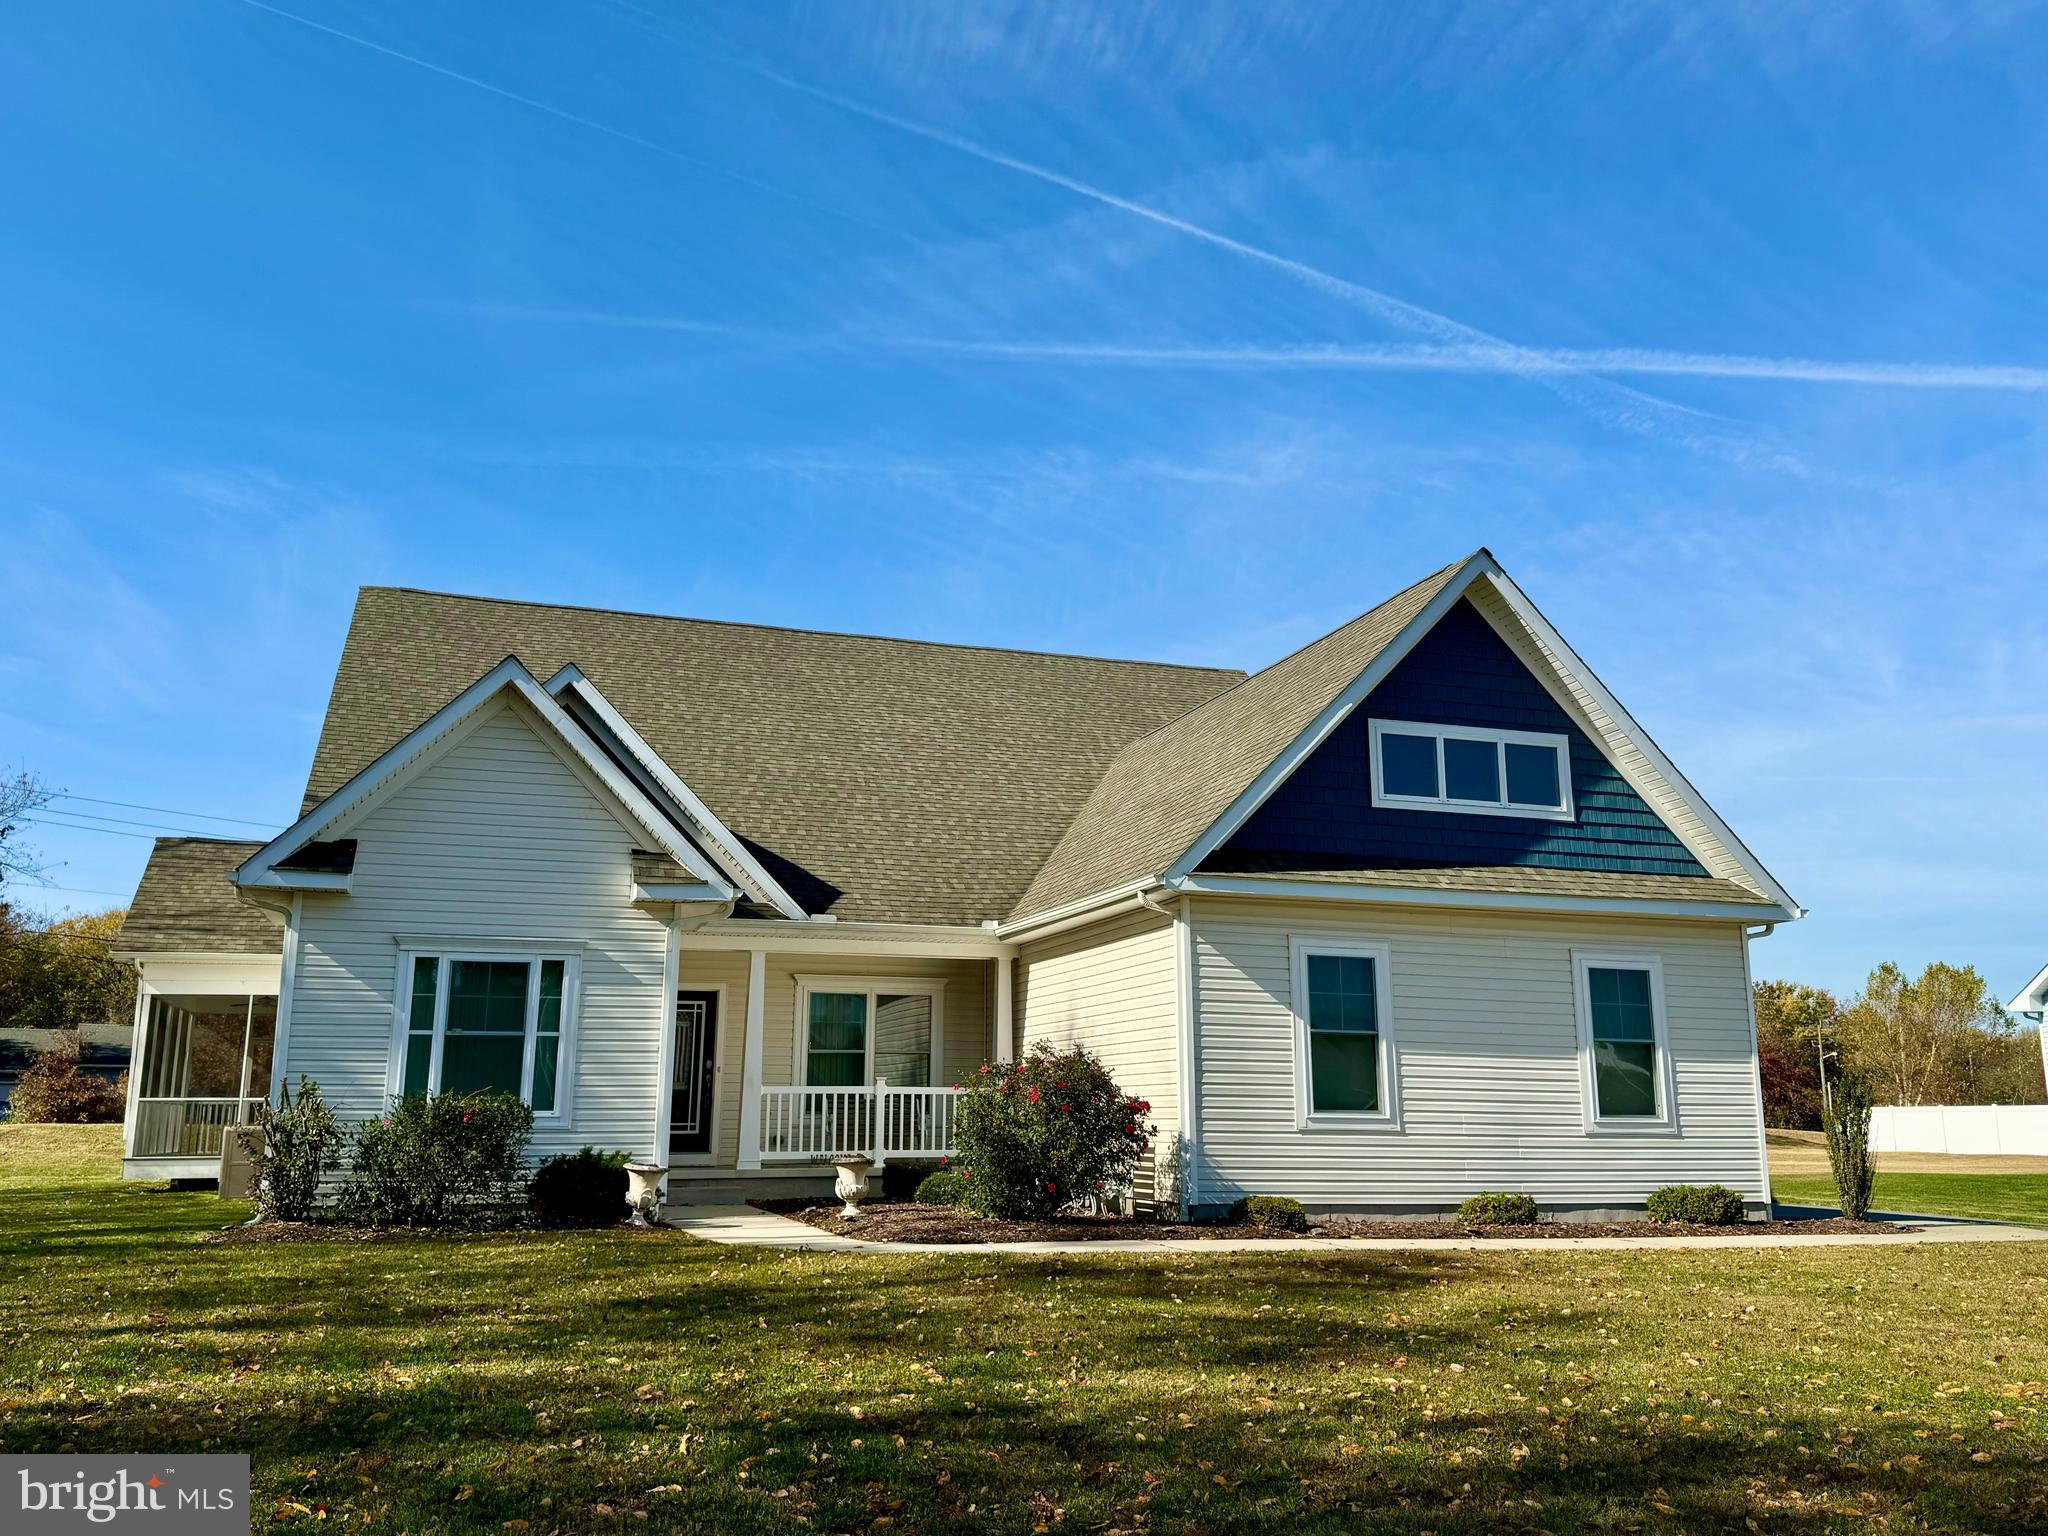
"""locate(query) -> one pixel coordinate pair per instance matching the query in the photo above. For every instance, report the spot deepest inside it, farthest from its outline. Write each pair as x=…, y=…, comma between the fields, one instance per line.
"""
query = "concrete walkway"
x=744, y=1226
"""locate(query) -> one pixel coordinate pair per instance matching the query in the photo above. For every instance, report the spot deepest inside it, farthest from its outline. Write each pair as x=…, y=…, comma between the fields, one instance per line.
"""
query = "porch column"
x=750, y=1060
x=138, y=1044
x=1006, y=998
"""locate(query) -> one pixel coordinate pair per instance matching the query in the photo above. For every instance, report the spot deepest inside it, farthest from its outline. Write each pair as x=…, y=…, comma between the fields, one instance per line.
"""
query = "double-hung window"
x=1343, y=1025
x=852, y=1030
x=1622, y=1040
x=486, y=1022
x=1459, y=768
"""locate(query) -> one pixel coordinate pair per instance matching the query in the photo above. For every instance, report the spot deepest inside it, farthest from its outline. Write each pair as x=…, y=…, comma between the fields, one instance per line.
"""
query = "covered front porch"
x=784, y=1056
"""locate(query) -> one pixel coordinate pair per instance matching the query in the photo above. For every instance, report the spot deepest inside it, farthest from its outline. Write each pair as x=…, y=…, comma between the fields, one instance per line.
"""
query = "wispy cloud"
x=1501, y=358
x=533, y=103
x=1614, y=404
x=600, y=317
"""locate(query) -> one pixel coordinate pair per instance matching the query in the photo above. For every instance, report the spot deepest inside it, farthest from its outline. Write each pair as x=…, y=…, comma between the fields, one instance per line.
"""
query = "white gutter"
x=1072, y=914
x=1508, y=901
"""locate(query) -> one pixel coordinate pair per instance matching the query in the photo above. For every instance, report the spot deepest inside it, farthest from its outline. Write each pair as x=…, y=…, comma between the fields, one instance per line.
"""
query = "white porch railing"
x=183, y=1127
x=819, y=1124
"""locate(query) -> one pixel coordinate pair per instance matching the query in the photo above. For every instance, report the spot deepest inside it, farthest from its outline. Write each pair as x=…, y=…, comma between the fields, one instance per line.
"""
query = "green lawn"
x=581, y=1382
x=2020, y=1197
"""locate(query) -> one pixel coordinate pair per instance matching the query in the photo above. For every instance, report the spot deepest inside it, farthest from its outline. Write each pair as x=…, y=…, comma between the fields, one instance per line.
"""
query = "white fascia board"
x=1568, y=659
x=2033, y=997
x=677, y=890
x=259, y=870
x=741, y=864
x=1276, y=772
x=296, y=880
x=1416, y=896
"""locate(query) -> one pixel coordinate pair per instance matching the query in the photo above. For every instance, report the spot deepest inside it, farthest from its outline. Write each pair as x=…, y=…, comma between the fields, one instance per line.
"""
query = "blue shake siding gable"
x=1460, y=673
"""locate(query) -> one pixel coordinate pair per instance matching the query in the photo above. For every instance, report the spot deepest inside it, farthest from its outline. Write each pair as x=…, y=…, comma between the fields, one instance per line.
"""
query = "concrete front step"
x=711, y=1186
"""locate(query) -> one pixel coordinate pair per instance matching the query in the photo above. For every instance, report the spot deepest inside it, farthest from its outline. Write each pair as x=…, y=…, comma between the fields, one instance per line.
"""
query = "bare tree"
x=20, y=797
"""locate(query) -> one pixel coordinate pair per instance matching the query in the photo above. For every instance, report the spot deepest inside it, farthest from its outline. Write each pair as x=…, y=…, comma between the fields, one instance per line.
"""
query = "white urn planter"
x=851, y=1186
x=643, y=1192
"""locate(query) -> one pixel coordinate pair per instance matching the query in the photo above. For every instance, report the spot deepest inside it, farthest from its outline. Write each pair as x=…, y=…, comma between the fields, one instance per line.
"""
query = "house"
x=1415, y=912
x=102, y=1052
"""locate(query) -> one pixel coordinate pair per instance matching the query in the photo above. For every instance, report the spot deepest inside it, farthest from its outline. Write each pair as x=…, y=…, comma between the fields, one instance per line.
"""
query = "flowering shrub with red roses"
x=1038, y=1135
x=453, y=1160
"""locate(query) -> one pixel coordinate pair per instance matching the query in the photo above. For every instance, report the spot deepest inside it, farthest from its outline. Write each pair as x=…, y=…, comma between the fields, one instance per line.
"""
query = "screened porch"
x=202, y=1066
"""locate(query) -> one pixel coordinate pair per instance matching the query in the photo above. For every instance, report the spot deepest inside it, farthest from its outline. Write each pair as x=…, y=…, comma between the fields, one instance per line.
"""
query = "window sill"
x=1336, y=1121
x=1659, y=1127
x=1382, y=802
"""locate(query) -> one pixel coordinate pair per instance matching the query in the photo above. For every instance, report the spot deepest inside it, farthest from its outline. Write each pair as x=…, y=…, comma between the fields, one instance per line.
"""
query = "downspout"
x=1187, y=1061
x=1756, y=1062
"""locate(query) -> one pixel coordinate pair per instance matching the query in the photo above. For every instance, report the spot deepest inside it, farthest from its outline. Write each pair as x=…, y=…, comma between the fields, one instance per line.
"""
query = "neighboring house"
x=102, y=1051
x=1415, y=912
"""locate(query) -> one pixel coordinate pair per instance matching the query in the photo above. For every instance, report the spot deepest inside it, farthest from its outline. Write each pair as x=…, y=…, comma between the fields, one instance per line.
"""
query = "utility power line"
x=164, y=810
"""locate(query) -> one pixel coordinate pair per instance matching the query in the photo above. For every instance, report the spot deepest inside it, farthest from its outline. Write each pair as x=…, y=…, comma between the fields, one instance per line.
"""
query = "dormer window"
x=1420, y=767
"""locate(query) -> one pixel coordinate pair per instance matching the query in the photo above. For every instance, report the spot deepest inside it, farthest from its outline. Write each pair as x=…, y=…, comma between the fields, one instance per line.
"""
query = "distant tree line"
x=55, y=973
x=58, y=974
x=1938, y=1038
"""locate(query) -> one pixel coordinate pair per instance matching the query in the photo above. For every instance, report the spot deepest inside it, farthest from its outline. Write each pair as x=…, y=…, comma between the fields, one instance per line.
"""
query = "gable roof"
x=1164, y=792
x=888, y=780
x=184, y=903
x=1173, y=797
x=276, y=862
x=2032, y=998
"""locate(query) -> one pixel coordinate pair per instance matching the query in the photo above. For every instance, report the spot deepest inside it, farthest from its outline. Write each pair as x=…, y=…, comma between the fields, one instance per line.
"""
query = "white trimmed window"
x=851, y=1030
x=1623, y=1046
x=1344, y=1061
x=486, y=1022
x=1458, y=768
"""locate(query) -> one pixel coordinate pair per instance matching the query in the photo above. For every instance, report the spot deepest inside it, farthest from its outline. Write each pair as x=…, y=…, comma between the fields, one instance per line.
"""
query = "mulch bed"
x=338, y=1232
x=906, y=1222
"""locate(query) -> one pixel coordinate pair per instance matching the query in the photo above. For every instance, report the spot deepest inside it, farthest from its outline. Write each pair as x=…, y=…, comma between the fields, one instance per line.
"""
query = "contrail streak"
x=1504, y=359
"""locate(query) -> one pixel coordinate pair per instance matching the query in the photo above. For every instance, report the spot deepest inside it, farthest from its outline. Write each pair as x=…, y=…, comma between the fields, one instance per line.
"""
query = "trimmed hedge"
x=452, y=1160
x=900, y=1180
x=585, y=1188
x=1706, y=1205
x=1499, y=1208
x=943, y=1187
x=1275, y=1211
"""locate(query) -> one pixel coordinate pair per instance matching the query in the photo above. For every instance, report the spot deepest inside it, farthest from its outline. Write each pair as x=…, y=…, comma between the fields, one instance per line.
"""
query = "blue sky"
x=1168, y=330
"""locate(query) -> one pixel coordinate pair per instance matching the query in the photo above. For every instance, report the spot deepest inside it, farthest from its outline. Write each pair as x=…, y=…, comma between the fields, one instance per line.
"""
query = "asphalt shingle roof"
x=1164, y=791
x=886, y=780
x=185, y=904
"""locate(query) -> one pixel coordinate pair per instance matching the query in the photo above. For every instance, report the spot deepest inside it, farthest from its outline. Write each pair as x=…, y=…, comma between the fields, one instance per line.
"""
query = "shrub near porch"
x=1042, y=1134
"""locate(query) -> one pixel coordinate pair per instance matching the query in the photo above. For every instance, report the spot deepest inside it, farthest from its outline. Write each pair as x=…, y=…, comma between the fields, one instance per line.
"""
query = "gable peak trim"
x=1481, y=567
x=415, y=748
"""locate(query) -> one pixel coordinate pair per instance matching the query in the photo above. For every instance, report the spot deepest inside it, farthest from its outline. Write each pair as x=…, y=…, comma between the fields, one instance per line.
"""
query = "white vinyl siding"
x=1490, y=1067
x=500, y=836
x=1110, y=987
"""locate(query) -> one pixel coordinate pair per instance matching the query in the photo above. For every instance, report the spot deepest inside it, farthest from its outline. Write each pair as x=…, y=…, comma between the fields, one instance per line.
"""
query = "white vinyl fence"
x=1970, y=1130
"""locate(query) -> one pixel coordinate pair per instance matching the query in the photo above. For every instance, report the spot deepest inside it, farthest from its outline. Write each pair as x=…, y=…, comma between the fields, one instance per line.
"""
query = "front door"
x=690, y=1098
